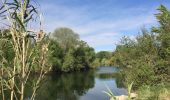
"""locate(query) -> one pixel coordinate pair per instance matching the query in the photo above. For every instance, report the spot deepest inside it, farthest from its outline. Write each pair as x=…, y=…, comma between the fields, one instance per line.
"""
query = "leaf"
x=2, y=7
x=28, y=19
x=6, y=10
x=32, y=10
x=28, y=2
x=3, y=12
x=129, y=90
x=20, y=22
x=109, y=92
x=110, y=95
x=16, y=2
x=12, y=4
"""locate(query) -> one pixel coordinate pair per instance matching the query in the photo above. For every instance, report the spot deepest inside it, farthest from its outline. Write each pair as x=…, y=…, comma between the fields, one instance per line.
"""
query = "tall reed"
x=19, y=15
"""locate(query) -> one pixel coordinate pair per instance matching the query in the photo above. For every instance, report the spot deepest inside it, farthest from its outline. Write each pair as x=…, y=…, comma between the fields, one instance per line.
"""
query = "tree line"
x=66, y=52
x=145, y=60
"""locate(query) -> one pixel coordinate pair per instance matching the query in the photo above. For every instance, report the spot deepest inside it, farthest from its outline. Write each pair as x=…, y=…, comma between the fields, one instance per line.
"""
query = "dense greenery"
x=68, y=52
x=6, y=49
x=103, y=58
x=146, y=59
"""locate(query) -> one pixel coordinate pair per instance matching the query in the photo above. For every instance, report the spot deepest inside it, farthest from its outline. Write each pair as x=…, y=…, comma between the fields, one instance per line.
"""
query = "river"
x=81, y=85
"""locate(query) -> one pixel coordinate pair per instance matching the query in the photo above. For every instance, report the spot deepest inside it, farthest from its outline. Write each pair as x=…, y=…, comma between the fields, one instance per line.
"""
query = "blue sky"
x=101, y=23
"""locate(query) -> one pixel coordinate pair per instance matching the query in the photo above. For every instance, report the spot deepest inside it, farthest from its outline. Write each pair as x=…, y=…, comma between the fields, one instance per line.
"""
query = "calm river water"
x=81, y=86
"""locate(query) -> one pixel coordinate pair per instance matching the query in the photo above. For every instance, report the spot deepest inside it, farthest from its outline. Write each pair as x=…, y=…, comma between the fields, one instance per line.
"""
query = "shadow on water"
x=79, y=86
x=65, y=86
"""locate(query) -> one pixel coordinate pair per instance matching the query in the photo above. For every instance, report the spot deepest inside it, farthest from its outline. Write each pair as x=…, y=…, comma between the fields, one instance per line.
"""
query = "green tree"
x=104, y=58
x=66, y=38
x=145, y=59
x=69, y=61
x=163, y=32
x=56, y=55
x=68, y=52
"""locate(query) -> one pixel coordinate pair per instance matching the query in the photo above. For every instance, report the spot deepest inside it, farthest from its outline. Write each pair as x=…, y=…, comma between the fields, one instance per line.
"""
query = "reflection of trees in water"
x=107, y=75
x=120, y=81
x=117, y=77
x=66, y=86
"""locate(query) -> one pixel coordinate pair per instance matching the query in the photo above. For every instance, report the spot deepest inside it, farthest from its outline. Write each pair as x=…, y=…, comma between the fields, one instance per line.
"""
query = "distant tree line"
x=103, y=58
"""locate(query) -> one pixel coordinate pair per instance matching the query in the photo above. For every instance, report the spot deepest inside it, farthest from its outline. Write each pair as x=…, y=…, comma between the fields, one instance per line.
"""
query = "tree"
x=69, y=61
x=75, y=54
x=56, y=55
x=87, y=53
x=145, y=59
x=66, y=38
x=104, y=58
x=163, y=31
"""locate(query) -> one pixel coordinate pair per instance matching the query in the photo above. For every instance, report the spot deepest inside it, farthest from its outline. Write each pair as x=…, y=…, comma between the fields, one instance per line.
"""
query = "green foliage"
x=68, y=53
x=146, y=59
x=6, y=49
x=66, y=38
x=159, y=92
x=103, y=58
x=69, y=62
x=130, y=90
x=110, y=93
x=56, y=55
x=113, y=97
x=96, y=63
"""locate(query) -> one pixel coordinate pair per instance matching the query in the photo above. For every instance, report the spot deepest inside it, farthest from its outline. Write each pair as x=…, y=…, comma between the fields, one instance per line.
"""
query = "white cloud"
x=97, y=31
x=112, y=38
x=101, y=39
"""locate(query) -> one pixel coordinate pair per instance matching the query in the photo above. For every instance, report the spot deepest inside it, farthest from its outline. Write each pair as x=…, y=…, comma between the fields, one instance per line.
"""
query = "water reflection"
x=80, y=86
x=113, y=76
x=66, y=86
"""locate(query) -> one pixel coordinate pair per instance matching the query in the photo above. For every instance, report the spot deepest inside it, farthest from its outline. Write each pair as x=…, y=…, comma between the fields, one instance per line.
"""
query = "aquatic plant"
x=130, y=95
x=109, y=93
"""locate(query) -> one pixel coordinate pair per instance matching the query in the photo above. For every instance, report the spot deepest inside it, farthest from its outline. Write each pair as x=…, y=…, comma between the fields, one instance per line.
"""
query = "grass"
x=157, y=92
x=146, y=92
x=112, y=95
x=109, y=93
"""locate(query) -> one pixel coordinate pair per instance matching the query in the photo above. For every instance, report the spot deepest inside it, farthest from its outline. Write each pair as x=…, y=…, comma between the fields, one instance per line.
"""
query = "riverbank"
x=159, y=92
x=133, y=96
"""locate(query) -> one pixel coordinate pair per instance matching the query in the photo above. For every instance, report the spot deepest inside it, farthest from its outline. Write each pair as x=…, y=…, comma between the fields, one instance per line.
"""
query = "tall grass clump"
x=159, y=92
x=130, y=95
x=27, y=49
x=110, y=93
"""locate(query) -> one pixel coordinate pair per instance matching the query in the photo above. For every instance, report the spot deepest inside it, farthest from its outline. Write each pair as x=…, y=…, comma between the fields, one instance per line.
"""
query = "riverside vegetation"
x=19, y=55
x=145, y=60
x=24, y=51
